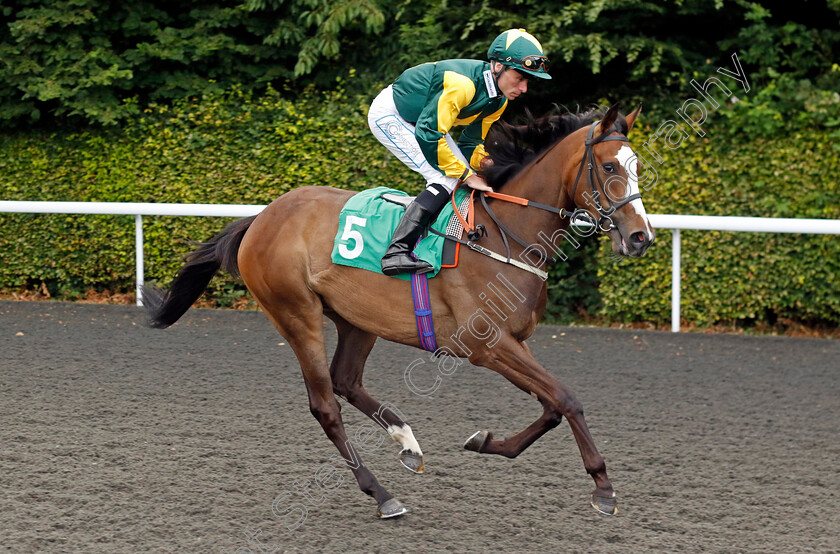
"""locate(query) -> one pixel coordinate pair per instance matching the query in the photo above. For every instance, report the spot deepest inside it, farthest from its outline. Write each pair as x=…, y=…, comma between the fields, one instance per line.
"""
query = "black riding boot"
x=417, y=216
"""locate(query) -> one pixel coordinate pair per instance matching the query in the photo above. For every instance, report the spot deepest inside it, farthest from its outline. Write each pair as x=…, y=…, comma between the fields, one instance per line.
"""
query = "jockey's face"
x=511, y=82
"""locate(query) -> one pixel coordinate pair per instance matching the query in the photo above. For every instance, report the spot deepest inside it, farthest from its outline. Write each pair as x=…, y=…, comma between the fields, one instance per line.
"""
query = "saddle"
x=367, y=222
x=454, y=229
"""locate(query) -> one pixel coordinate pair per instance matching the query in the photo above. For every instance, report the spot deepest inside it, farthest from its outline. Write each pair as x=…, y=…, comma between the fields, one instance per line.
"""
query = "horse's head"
x=606, y=183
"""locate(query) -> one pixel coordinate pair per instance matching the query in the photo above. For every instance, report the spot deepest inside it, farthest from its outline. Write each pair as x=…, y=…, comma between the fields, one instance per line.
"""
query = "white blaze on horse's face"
x=628, y=160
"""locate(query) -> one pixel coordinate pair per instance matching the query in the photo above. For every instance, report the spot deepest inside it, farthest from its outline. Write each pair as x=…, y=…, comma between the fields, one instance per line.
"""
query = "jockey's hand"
x=478, y=182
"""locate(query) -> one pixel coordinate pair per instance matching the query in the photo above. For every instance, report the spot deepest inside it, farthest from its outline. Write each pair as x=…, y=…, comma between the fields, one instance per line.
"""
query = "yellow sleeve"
x=472, y=138
x=458, y=91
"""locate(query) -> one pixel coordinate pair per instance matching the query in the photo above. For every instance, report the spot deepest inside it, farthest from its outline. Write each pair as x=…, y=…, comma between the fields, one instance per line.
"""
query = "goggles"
x=532, y=63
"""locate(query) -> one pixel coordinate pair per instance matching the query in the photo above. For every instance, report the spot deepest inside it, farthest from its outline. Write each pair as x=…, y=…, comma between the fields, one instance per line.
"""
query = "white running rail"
x=658, y=221
x=138, y=210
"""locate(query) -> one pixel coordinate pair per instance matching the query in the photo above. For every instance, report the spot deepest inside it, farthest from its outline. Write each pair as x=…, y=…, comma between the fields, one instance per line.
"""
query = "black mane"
x=512, y=147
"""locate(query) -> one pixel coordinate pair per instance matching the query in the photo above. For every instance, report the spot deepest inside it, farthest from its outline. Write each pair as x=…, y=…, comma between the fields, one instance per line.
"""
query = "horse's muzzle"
x=634, y=244
x=638, y=243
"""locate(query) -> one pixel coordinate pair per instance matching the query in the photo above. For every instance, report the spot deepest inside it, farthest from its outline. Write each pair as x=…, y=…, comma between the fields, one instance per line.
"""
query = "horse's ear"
x=632, y=117
x=609, y=118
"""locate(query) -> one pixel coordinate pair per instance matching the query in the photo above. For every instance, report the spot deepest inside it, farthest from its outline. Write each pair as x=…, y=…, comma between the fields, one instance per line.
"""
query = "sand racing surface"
x=198, y=438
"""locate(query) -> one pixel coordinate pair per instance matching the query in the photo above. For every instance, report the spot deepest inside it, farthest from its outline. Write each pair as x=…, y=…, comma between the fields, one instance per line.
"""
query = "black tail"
x=165, y=307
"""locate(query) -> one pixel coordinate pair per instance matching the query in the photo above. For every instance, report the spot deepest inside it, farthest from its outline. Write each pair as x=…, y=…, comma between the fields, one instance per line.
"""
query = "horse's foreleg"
x=513, y=446
x=348, y=364
x=514, y=361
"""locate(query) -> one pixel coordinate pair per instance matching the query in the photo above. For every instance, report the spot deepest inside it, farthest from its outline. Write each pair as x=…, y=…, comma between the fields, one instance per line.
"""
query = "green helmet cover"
x=516, y=44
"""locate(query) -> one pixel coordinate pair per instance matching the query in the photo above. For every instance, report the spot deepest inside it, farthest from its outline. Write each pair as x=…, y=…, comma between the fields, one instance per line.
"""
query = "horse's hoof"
x=391, y=508
x=477, y=441
x=604, y=504
x=412, y=461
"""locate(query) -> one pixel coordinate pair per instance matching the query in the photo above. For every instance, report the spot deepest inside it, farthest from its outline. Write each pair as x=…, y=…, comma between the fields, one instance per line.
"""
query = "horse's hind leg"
x=299, y=320
x=348, y=364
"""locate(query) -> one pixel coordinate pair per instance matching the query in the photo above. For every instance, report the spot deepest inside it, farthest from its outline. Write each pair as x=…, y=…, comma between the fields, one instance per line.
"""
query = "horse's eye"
x=609, y=168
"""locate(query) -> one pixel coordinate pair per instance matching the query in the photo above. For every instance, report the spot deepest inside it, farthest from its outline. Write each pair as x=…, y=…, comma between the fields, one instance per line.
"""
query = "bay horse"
x=283, y=256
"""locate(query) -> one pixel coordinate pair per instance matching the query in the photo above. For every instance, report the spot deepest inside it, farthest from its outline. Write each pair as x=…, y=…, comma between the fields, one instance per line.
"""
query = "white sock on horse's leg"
x=403, y=435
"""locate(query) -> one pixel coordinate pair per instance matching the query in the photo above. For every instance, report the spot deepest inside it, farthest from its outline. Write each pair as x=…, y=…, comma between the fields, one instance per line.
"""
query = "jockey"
x=412, y=118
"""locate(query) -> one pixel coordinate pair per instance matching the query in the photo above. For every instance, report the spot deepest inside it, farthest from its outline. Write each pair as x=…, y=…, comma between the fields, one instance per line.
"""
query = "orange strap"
x=469, y=223
x=508, y=198
x=470, y=212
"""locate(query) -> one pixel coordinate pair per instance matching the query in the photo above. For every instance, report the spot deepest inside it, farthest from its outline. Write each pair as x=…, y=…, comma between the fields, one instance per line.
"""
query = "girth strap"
x=423, y=310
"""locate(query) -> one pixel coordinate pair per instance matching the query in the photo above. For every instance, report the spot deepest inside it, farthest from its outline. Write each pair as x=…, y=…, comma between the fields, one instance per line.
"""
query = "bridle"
x=604, y=223
x=589, y=160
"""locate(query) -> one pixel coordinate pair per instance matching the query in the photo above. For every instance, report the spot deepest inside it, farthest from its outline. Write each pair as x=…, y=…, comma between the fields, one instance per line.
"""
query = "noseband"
x=605, y=222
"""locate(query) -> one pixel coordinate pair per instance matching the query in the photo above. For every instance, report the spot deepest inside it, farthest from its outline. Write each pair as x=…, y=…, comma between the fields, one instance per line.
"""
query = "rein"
x=474, y=233
x=604, y=223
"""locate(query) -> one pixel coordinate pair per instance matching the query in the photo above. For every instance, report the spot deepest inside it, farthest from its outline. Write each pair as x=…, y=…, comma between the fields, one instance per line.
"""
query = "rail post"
x=675, y=281
x=138, y=256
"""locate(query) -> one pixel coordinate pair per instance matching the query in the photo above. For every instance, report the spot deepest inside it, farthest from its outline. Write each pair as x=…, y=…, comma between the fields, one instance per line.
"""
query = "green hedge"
x=235, y=148
x=230, y=148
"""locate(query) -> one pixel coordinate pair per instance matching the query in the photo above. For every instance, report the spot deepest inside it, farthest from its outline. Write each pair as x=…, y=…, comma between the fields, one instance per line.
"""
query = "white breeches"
x=397, y=135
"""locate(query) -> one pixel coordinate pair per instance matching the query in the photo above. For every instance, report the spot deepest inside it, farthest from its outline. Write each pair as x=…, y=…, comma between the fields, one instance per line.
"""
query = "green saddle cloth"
x=367, y=222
